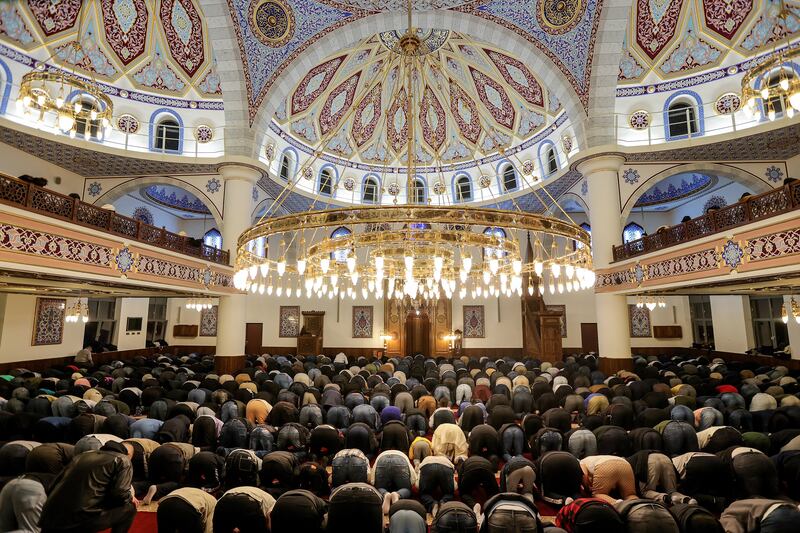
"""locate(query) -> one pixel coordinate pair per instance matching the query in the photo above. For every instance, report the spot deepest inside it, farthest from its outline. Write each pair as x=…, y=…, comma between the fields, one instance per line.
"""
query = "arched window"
x=463, y=189
x=509, y=178
x=632, y=232
x=326, y=181
x=167, y=137
x=85, y=126
x=340, y=255
x=775, y=102
x=258, y=246
x=418, y=195
x=579, y=245
x=285, y=167
x=369, y=193
x=552, y=162
x=499, y=233
x=213, y=238
x=682, y=119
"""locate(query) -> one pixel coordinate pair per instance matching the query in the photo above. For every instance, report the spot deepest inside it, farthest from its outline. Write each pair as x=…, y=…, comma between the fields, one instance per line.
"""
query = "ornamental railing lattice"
x=753, y=208
x=37, y=199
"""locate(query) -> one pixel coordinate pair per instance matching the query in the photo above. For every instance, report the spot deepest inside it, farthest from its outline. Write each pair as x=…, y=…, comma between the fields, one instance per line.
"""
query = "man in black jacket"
x=93, y=493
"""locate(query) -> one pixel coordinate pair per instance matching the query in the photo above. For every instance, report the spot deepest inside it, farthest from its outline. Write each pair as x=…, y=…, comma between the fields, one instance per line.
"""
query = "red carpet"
x=145, y=522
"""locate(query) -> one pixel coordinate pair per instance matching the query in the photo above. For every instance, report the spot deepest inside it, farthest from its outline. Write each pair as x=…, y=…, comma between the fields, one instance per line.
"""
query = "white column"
x=613, y=334
x=733, y=323
x=236, y=218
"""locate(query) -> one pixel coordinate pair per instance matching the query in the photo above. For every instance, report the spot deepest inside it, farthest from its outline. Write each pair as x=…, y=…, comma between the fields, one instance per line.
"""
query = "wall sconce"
x=451, y=339
x=784, y=314
x=795, y=310
x=386, y=337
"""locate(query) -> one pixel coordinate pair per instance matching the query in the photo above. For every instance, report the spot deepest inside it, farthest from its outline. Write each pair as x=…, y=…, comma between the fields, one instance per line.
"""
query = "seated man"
x=94, y=493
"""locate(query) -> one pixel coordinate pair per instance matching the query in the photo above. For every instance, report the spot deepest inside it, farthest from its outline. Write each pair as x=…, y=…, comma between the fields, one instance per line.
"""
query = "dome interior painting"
x=674, y=38
x=469, y=100
x=127, y=45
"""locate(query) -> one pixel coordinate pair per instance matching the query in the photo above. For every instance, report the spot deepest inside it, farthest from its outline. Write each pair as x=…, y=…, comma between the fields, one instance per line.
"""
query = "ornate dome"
x=159, y=47
x=470, y=100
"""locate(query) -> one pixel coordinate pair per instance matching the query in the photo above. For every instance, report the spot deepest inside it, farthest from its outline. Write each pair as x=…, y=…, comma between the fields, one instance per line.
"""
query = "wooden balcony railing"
x=751, y=209
x=39, y=200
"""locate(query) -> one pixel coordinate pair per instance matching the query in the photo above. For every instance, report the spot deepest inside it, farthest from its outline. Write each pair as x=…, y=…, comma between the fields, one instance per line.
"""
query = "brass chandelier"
x=773, y=79
x=44, y=93
x=413, y=253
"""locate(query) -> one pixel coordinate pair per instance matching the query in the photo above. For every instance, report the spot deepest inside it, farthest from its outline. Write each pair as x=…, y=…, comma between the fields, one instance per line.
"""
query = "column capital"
x=610, y=163
x=240, y=173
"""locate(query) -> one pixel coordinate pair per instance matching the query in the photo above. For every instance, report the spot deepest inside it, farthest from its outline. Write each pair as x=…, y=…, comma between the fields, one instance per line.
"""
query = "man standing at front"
x=93, y=493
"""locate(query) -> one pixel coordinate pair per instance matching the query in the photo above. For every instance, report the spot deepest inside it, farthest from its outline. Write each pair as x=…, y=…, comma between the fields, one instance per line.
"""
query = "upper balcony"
x=42, y=201
x=751, y=209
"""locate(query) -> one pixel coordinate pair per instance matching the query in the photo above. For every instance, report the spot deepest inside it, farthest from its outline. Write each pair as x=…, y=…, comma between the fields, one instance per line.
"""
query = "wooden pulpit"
x=309, y=342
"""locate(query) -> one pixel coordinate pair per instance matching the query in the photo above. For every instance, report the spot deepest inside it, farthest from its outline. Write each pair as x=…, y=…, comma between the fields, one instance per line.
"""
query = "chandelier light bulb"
x=65, y=121
x=516, y=265
x=85, y=319
x=408, y=260
x=486, y=277
x=552, y=287
x=466, y=262
x=474, y=293
x=281, y=267
x=790, y=112
x=334, y=279
x=325, y=264
x=794, y=99
x=462, y=275
x=371, y=285
x=771, y=114
x=784, y=84
x=494, y=265
x=560, y=288
x=41, y=100
x=264, y=268
x=438, y=263
x=278, y=290
x=351, y=263
x=354, y=277
x=78, y=107
x=538, y=267
x=379, y=263
x=479, y=290
x=530, y=290
x=261, y=288
x=253, y=288
x=252, y=271
x=541, y=290
x=301, y=266
x=555, y=270
x=650, y=305
x=569, y=270
x=765, y=93
x=269, y=289
x=93, y=114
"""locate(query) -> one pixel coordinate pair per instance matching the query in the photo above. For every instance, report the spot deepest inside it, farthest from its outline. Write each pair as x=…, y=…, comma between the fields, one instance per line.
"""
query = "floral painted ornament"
x=124, y=261
x=732, y=254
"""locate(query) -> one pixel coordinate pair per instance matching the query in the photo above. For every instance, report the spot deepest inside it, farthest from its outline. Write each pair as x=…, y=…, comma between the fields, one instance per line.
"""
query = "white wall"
x=16, y=162
x=676, y=313
x=503, y=321
x=733, y=326
x=133, y=308
x=580, y=309
x=17, y=331
x=178, y=314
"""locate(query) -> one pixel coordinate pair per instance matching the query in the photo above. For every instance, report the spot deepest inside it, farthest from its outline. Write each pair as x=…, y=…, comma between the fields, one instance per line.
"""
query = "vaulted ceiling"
x=469, y=99
x=668, y=39
x=159, y=46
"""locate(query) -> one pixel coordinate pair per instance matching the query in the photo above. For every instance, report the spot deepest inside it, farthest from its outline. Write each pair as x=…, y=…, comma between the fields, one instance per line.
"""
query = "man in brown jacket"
x=93, y=493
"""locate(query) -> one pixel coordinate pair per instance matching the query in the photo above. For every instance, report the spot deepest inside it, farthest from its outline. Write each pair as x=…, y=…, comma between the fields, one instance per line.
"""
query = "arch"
x=154, y=119
x=334, y=179
x=545, y=164
x=497, y=232
x=93, y=124
x=632, y=232
x=491, y=32
x=264, y=205
x=213, y=238
x=754, y=182
x=699, y=118
x=501, y=169
x=340, y=255
x=121, y=189
x=461, y=184
x=376, y=181
x=290, y=154
x=577, y=198
x=8, y=79
x=413, y=197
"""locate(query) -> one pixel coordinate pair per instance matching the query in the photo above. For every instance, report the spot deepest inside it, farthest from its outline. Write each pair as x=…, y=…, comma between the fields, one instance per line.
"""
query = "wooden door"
x=253, y=337
x=418, y=331
x=589, y=337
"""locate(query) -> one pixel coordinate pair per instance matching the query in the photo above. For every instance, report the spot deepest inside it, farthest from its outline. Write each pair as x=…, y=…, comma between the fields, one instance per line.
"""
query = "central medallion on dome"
x=470, y=101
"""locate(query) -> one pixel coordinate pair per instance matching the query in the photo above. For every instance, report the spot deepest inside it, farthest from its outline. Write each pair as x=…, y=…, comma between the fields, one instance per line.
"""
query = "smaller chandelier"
x=199, y=304
x=79, y=312
x=43, y=97
x=773, y=80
